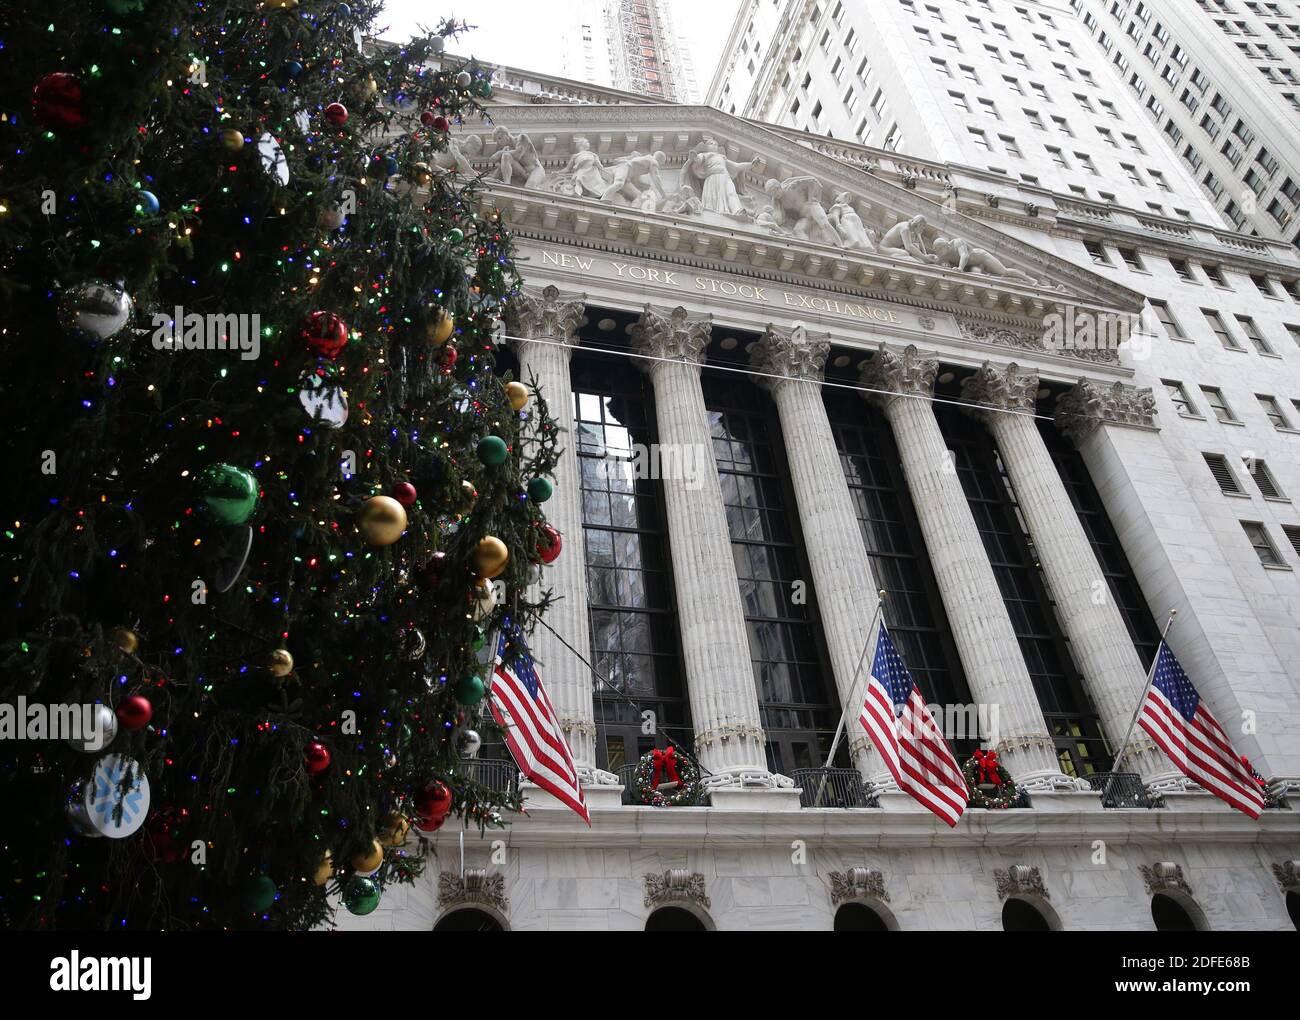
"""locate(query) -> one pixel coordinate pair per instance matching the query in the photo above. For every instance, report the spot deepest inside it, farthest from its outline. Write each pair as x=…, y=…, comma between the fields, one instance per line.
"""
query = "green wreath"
x=657, y=769
x=990, y=784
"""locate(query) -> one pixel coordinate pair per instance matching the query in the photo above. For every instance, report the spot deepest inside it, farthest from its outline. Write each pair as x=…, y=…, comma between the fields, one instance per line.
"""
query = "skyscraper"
x=646, y=54
x=1220, y=81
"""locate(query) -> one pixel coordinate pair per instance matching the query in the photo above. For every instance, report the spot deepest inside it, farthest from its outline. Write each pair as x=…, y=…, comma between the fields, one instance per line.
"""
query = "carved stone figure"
x=584, y=175
x=798, y=203
x=715, y=172
x=455, y=158
x=767, y=218
x=906, y=240
x=966, y=258
x=845, y=219
x=634, y=176
x=517, y=161
x=683, y=202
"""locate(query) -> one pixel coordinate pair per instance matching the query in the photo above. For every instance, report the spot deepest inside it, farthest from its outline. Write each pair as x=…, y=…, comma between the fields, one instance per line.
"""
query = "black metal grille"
x=1122, y=790
x=495, y=774
x=825, y=787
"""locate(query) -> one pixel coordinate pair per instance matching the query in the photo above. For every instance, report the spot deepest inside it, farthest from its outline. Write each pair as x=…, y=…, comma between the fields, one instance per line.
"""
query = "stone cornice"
x=857, y=830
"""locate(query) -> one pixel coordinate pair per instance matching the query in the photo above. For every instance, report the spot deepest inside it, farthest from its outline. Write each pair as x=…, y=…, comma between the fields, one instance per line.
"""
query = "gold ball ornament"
x=491, y=556
x=126, y=639
x=280, y=662
x=381, y=520
x=324, y=870
x=442, y=327
x=394, y=829
x=368, y=862
x=232, y=139
x=517, y=394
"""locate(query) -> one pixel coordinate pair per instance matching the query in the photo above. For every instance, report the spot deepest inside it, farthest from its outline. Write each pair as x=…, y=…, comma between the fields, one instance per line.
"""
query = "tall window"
x=799, y=710
x=1080, y=747
x=629, y=585
x=896, y=549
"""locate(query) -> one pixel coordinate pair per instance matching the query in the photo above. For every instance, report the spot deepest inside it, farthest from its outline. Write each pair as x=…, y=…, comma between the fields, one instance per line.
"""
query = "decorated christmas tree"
x=270, y=484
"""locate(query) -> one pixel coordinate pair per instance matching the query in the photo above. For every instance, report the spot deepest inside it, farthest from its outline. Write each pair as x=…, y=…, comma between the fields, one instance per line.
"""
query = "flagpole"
x=853, y=687
x=636, y=707
x=1123, y=750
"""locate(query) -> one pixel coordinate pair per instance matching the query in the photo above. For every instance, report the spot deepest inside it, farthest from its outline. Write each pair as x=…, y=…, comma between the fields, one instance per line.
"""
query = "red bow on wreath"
x=988, y=766
x=665, y=763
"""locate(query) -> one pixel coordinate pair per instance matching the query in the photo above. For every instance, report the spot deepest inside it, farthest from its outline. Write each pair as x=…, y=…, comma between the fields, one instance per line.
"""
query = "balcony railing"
x=1123, y=790
x=495, y=774
x=837, y=788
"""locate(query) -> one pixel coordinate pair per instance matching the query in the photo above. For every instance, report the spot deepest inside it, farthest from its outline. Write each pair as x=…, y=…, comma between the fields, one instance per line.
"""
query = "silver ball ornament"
x=96, y=309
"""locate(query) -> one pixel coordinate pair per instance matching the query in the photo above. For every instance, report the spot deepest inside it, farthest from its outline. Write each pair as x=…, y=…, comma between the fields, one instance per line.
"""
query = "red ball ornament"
x=316, y=757
x=325, y=334
x=336, y=114
x=433, y=802
x=404, y=493
x=549, y=546
x=430, y=575
x=58, y=104
x=449, y=356
x=426, y=118
x=134, y=712
x=441, y=124
x=430, y=824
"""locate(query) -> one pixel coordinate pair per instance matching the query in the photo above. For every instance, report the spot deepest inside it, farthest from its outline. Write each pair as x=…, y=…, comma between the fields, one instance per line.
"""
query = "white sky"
x=525, y=33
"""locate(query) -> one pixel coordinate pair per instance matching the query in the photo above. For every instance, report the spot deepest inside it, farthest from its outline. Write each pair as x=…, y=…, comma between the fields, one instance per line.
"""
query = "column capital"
x=899, y=373
x=546, y=315
x=1000, y=388
x=789, y=353
x=672, y=334
x=1089, y=405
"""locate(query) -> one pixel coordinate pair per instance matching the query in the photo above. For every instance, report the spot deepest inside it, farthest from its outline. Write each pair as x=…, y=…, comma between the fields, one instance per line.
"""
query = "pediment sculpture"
x=708, y=185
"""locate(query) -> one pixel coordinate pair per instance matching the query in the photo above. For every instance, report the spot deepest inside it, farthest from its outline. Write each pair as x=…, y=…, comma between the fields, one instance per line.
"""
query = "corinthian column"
x=729, y=736
x=545, y=324
x=903, y=381
x=841, y=572
x=1099, y=638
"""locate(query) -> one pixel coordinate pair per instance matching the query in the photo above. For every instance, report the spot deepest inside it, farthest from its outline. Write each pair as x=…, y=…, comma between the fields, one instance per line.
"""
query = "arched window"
x=468, y=919
x=859, y=917
x=1172, y=914
x=674, y=919
x=1020, y=915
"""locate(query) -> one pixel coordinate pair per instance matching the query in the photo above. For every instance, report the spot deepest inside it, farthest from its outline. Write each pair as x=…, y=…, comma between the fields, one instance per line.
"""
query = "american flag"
x=1175, y=718
x=521, y=707
x=907, y=737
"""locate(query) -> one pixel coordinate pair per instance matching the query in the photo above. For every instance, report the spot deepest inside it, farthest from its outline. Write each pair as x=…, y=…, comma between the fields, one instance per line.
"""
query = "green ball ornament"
x=227, y=494
x=492, y=450
x=484, y=88
x=258, y=894
x=480, y=639
x=540, y=490
x=469, y=690
x=361, y=896
x=455, y=235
